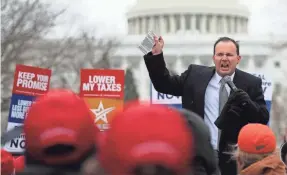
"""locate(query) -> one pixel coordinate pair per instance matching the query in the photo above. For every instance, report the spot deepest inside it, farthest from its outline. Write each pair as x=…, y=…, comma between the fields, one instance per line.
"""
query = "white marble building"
x=173, y=16
x=189, y=29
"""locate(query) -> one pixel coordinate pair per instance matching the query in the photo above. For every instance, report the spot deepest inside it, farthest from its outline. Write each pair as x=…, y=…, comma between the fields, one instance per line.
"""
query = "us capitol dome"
x=190, y=28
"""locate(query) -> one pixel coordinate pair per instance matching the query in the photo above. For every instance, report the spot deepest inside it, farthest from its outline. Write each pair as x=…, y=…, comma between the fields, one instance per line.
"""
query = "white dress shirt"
x=211, y=106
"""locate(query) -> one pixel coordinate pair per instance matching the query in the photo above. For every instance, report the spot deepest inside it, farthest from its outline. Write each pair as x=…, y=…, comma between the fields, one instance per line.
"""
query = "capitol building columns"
x=213, y=24
x=232, y=25
x=224, y=24
x=199, y=23
x=182, y=22
x=143, y=24
x=151, y=23
x=137, y=25
x=162, y=27
x=245, y=24
x=239, y=25
x=203, y=23
x=172, y=23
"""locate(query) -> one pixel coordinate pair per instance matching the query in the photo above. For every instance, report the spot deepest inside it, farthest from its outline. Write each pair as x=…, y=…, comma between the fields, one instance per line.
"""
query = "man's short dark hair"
x=225, y=39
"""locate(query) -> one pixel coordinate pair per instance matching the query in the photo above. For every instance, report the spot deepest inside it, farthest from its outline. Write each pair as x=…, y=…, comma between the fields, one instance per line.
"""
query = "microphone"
x=232, y=86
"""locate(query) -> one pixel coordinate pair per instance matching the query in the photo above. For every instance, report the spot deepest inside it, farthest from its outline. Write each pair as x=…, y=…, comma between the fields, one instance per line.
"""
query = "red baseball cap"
x=59, y=117
x=147, y=134
x=7, y=163
x=256, y=138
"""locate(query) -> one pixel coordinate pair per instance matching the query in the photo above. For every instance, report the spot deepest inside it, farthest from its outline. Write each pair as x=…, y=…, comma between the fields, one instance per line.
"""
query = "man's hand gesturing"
x=157, y=48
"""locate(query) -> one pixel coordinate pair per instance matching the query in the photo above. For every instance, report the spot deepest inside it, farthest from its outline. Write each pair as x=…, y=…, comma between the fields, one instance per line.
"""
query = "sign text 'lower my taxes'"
x=102, y=83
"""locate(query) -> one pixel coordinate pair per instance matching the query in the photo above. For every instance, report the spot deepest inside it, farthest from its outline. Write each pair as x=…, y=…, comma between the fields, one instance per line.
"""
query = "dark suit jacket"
x=191, y=85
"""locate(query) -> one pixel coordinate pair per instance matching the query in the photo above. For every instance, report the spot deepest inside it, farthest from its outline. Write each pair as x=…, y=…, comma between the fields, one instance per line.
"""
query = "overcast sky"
x=108, y=16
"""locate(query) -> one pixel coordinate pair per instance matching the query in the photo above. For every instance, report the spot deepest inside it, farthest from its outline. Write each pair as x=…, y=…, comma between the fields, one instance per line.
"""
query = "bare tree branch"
x=22, y=24
x=24, y=27
x=91, y=52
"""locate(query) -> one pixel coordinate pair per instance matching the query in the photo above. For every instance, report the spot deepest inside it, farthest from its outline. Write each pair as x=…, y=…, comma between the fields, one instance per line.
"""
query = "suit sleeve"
x=160, y=76
x=258, y=110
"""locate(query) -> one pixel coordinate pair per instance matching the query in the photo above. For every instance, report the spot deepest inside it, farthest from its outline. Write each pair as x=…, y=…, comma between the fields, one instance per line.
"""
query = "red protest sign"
x=30, y=80
x=104, y=83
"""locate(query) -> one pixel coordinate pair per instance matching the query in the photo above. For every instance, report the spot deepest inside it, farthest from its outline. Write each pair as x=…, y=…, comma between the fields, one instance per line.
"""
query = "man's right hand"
x=157, y=48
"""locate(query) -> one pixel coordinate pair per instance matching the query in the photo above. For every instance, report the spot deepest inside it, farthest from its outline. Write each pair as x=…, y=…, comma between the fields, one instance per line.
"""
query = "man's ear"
x=213, y=58
x=238, y=59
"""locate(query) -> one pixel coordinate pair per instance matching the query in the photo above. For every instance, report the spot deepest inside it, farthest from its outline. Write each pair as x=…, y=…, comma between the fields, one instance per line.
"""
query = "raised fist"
x=157, y=48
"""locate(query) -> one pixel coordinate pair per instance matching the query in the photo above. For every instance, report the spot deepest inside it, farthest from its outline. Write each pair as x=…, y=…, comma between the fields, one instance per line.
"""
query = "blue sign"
x=178, y=106
x=268, y=104
x=18, y=108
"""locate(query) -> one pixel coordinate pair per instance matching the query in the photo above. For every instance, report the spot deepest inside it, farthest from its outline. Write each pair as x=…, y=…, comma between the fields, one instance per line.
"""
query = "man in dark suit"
x=204, y=93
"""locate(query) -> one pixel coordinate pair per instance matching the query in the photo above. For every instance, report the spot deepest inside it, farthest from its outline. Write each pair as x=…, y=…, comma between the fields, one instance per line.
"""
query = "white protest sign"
x=160, y=98
x=267, y=85
x=16, y=145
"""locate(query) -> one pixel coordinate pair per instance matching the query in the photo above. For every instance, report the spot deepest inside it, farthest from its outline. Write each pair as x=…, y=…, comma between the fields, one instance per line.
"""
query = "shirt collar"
x=218, y=77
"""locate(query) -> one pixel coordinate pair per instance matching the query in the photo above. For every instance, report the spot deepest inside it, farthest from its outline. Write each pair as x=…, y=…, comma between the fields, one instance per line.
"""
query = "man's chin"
x=224, y=72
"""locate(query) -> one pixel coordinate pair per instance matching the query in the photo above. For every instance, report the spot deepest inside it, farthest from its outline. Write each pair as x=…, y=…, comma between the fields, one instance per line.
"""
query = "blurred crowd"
x=143, y=139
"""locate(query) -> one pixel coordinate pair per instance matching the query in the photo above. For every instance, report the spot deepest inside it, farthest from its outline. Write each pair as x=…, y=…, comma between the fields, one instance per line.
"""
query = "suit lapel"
x=204, y=78
x=238, y=81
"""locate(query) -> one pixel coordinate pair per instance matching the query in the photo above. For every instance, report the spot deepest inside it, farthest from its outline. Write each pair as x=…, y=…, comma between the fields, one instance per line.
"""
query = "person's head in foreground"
x=147, y=140
x=7, y=163
x=256, y=153
x=60, y=133
x=204, y=160
x=11, y=165
x=226, y=55
x=284, y=153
